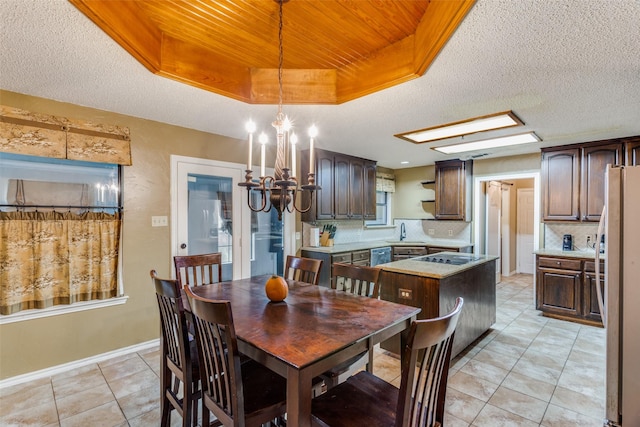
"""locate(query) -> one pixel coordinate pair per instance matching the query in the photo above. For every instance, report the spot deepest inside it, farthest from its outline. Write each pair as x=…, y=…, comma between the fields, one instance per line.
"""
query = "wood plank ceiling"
x=334, y=51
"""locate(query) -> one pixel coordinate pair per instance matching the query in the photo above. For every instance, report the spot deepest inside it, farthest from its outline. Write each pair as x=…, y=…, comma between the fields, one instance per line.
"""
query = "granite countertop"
x=357, y=246
x=588, y=254
x=433, y=270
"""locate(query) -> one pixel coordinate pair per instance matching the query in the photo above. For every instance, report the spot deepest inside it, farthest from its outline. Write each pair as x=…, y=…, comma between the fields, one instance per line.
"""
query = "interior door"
x=525, y=228
x=210, y=214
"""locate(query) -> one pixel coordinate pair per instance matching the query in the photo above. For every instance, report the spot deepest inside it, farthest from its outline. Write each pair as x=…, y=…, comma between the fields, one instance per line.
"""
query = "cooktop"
x=458, y=259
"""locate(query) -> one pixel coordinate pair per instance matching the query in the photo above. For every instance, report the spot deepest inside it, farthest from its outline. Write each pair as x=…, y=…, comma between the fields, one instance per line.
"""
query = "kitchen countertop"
x=591, y=254
x=433, y=269
x=357, y=246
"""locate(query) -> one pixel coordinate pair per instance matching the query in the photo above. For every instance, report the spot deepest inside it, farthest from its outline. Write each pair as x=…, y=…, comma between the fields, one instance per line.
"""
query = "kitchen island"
x=434, y=287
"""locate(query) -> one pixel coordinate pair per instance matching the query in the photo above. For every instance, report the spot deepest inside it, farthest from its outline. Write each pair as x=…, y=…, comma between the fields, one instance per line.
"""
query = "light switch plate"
x=159, y=221
x=431, y=231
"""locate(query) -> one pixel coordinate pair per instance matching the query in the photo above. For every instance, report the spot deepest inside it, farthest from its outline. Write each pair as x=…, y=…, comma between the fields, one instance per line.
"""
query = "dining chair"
x=358, y=280
x=179, y=363
x=238, y=394
x=195, y=270
x=365, y=399
x=303, y=269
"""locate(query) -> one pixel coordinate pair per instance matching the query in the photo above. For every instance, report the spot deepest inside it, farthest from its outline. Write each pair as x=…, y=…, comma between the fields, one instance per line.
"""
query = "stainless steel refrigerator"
x=621, y=296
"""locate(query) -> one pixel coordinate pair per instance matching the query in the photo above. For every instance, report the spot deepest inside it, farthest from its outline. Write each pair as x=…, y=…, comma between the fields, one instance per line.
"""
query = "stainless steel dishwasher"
x=380, y=255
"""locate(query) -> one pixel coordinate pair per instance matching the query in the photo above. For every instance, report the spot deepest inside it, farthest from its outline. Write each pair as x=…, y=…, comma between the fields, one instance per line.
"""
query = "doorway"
x=499, y=213
x=210, y=214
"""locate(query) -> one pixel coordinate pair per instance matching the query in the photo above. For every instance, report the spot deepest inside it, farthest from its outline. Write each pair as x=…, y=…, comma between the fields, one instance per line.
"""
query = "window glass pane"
x=42, y=181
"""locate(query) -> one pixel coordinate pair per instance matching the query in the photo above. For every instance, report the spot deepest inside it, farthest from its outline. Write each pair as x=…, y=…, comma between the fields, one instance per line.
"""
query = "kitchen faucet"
x=403, y=232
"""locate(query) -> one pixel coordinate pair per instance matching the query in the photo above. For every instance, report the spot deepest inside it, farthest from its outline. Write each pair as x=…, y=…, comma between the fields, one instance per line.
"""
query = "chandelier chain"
x=280, y=56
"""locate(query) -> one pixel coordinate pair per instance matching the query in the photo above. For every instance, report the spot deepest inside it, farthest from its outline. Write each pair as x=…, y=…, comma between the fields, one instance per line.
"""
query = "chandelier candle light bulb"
x=294, y=141
x=251, y=128
x=263, y=142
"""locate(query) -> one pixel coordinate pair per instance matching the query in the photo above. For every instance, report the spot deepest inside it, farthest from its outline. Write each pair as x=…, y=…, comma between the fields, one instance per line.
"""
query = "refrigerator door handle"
x=599, y=292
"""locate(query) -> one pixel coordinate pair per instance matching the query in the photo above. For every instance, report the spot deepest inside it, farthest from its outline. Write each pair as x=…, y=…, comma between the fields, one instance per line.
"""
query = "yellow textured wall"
x=41, y=343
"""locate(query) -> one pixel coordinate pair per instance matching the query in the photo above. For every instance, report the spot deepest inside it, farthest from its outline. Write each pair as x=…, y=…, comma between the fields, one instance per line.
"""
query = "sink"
x=420, y=242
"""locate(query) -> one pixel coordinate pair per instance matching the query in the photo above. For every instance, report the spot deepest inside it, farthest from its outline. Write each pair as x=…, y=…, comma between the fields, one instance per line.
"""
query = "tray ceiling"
x=333, y=51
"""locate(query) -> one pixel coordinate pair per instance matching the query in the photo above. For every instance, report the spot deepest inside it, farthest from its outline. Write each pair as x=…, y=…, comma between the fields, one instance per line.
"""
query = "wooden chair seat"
x=366, y=400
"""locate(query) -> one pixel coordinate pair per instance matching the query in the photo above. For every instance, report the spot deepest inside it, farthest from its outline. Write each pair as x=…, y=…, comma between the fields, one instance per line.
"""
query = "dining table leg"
x=298, y=397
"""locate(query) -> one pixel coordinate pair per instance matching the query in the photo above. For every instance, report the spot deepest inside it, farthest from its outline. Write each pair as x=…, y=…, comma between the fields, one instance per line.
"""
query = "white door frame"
x=241, y=236
x=478, y=179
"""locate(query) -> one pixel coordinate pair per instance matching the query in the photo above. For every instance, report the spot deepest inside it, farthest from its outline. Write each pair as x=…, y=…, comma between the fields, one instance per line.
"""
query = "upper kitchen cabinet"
x=633, y=151
x=453, y=189
x=369, y=190
x=573, y=179
x=561, y=184
x=348, y=187
x=594, y=164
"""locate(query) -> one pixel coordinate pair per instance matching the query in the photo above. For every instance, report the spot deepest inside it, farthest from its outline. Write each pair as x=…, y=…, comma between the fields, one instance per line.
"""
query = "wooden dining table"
x=313, y=330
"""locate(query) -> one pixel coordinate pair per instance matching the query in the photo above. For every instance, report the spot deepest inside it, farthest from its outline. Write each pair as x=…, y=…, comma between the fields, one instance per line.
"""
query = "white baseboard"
x=54, y=370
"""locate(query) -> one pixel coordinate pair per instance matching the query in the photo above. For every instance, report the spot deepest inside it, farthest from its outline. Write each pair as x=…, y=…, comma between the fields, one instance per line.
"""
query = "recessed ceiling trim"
x=501, y=120
x=484, y=144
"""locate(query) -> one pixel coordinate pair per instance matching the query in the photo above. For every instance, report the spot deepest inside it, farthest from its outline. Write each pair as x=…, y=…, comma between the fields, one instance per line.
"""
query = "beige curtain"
x=51, y=258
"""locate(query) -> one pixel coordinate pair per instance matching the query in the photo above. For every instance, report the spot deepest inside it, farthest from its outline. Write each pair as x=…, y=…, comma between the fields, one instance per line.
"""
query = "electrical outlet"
x=159, y=221
x=431, y=231
x=405, y=293
x=450, y=232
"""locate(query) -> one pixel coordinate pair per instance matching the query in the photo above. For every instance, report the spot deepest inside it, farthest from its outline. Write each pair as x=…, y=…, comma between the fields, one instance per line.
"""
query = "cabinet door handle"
x=558, y=262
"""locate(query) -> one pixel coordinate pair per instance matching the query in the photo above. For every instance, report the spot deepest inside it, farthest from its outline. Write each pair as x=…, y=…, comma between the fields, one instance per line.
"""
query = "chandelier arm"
x=301, y=209
x=264, y=200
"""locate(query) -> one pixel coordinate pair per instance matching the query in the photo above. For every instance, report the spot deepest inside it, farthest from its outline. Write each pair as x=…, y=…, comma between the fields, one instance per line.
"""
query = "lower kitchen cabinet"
x=361, y=257
x=591, y=309
x=565, y=289
x=404, y=252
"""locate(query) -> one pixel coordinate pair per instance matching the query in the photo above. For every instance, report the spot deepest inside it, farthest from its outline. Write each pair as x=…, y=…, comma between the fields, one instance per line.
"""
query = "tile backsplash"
x=417, y=229
x=553, y=233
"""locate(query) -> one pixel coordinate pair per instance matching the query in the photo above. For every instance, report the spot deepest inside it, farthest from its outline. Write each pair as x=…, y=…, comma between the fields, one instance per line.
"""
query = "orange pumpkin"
x=276, y=288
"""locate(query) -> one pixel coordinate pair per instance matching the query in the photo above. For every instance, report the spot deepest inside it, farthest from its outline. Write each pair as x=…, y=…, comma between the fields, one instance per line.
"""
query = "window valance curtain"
x=51, y=258
x=24, y=132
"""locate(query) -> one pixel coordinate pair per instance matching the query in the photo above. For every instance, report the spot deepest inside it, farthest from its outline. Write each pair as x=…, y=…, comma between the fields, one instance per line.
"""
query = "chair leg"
x=165, y=384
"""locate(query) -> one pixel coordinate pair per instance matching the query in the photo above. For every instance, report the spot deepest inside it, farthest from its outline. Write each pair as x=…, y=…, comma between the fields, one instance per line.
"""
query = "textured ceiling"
x=569, y=69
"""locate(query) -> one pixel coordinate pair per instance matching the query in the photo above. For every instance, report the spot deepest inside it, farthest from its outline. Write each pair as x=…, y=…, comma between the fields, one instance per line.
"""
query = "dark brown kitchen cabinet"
x=590, y=306
x=361, y=257
x=348, y=187
x=633, y=151
x=369, y=190
x=561, y=184
x=573, y=177
x=344, y=180
x=593, y=166
x=566, y=288
x=405, y=252
x=453, y=190
x=558, y=286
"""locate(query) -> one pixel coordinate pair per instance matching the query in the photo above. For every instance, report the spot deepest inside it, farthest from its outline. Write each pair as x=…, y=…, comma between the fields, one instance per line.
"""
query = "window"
x=60, y=231
x=383, y=209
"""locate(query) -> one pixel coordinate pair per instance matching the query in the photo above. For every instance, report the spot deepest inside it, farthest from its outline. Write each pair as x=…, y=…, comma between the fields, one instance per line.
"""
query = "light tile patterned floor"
x=527, y=371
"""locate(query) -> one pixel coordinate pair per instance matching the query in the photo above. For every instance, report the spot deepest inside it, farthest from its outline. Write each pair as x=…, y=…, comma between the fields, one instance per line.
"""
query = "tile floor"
x=528, y=370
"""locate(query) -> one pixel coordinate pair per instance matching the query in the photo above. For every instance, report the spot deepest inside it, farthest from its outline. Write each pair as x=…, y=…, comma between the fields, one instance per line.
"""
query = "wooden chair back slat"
x=196, y=270
x=360, y=280
x=303, y=269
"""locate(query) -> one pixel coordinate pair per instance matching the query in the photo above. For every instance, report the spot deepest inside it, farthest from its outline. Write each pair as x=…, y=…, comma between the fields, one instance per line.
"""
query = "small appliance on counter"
x=314, y=237
x=567, y=242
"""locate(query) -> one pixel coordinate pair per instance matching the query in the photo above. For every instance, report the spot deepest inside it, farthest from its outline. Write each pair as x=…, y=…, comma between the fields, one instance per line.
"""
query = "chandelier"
x=279, y=191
